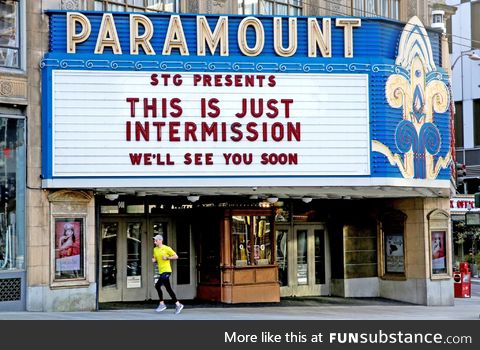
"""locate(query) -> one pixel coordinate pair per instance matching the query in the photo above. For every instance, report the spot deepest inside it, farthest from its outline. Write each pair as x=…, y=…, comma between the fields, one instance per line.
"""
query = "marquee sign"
x=157, y=96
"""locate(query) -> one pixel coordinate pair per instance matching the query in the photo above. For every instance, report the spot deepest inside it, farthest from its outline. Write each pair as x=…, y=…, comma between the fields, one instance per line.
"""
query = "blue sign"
x=242, y=98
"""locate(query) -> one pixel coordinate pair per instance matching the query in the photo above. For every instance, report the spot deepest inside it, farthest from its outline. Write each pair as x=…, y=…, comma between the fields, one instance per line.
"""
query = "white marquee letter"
x=107, y=35
x=259, y=34
x=348, y=24
x=205, y=35
x=317, y=37
x=143, y=40
x=74, y=38
x=175, y=38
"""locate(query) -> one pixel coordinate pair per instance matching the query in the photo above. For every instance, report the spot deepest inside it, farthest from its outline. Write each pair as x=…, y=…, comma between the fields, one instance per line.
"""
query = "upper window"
x=376, y=8
x=475, y=19
x=458, y=120
x=270, y=7
x=476, y=122
x=9, y=34
x=137, y=5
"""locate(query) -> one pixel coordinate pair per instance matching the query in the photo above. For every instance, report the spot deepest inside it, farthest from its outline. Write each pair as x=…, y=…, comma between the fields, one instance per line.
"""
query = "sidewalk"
x=307, y=309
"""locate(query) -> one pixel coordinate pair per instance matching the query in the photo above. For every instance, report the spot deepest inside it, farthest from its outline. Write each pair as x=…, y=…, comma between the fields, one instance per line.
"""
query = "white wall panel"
x=90, y=114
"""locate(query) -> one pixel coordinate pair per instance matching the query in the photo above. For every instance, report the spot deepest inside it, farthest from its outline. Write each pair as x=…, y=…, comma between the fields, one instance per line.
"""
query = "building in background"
x=465, y=54
x=374, y=224
x=464, y=30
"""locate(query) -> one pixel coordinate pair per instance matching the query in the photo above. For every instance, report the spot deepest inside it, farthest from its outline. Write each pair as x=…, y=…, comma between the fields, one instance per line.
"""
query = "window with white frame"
x=271, y=7
x=376, y=8
x=10, y=34
x=137, y=5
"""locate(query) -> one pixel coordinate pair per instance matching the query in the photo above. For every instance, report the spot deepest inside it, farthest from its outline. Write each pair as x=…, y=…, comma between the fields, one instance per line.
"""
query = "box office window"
x=393, y=238
x=251, y=240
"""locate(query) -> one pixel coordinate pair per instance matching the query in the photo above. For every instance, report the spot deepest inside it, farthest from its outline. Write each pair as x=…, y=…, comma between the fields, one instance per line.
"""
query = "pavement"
x=312, y=308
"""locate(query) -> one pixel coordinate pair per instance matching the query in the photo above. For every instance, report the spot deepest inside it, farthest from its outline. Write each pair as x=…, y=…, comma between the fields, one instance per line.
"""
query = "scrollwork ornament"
x=70, y=5
x=6, y=88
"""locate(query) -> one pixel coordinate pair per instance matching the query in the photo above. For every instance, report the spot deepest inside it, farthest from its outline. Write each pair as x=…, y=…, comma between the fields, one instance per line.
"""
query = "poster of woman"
x=67, y=245
x=438, y=252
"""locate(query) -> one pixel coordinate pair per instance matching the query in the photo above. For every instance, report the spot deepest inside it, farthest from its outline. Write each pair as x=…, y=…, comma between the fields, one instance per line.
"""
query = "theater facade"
x=279, y=156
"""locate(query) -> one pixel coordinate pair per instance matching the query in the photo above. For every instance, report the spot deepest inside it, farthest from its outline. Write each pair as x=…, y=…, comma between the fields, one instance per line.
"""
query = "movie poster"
x=439, y=264
x=67, y=245
x=394, y=259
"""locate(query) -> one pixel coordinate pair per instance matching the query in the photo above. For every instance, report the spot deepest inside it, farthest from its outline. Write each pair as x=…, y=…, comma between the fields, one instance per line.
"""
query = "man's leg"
x=178, y=305
x=169, y=289
x=158, y=287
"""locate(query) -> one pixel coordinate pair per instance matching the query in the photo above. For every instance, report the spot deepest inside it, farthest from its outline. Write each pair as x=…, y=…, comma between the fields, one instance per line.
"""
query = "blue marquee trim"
x=220, y=66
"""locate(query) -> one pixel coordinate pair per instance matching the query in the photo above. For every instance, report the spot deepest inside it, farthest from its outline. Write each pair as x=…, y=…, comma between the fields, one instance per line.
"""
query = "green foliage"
x=471, y=259
x=462, y=231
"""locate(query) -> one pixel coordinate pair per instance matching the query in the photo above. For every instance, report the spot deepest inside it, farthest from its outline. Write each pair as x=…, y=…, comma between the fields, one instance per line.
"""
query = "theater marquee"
x=130, y=96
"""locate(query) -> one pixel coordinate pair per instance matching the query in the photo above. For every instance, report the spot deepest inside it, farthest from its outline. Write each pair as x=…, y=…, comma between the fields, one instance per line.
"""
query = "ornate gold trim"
x=70, y=196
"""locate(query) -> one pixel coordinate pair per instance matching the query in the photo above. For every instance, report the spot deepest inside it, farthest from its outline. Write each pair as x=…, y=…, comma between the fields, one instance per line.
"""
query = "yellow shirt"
x=158, y=253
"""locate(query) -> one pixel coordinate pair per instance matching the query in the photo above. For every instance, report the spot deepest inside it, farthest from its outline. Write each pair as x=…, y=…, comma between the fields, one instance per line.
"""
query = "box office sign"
x=167, y=96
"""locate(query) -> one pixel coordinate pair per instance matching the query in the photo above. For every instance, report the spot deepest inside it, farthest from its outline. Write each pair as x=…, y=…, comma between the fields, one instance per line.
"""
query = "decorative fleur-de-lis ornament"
x=420, y=92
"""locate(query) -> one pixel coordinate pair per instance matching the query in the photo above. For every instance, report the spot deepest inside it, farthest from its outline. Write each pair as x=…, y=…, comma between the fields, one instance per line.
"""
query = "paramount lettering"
x=142, y=33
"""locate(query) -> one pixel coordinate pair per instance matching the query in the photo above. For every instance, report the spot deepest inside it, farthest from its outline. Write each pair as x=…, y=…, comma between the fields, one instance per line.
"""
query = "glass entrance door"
x=178, y=236
x=185, y=276
x=303, y=260
x=123, y=259
x=126, y=249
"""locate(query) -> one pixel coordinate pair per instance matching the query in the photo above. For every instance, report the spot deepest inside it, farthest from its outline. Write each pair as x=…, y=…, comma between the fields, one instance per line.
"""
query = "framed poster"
x=394, y=257
x=69, y=237
x=438, y=242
